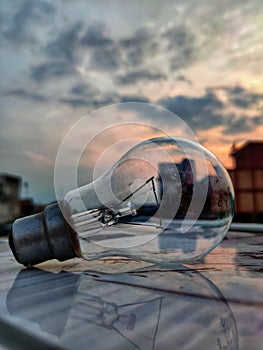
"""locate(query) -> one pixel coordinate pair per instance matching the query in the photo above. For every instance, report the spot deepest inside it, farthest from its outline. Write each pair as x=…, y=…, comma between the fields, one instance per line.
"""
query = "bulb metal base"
x=41, y=237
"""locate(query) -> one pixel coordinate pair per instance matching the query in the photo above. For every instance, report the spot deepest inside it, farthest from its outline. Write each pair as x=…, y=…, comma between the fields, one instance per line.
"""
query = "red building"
x=247, y=177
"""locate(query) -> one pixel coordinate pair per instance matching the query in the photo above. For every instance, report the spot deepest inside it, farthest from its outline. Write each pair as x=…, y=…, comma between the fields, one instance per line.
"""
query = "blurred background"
x=61, y=60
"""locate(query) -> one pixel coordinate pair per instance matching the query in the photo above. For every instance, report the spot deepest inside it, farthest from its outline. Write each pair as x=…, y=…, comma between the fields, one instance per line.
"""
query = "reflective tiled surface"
x=122, y=304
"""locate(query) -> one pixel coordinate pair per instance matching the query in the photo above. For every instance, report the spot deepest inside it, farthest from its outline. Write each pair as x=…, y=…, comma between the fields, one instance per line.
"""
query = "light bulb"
x=167, y=200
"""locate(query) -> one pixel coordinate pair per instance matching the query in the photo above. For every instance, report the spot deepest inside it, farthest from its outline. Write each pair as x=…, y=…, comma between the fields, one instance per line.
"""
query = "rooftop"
x=236, y=149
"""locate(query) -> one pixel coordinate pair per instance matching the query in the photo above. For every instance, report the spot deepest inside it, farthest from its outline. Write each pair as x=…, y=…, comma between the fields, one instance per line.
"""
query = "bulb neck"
x=41, y=237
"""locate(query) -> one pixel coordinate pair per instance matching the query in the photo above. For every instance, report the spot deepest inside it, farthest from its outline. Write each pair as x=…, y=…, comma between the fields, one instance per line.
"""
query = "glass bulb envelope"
x=166, y=200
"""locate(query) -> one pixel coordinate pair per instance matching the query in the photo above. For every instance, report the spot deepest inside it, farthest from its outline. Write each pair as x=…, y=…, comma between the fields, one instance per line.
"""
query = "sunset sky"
x=61, y=60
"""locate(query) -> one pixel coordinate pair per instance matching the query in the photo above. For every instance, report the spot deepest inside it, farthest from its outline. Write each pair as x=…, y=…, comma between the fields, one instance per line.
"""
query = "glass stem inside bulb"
x=105, y=217
x=95, y=219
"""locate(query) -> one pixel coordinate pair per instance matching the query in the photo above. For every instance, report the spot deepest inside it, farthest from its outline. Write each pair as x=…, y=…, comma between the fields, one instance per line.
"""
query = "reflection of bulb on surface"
x=166, y=200
x=152, y=309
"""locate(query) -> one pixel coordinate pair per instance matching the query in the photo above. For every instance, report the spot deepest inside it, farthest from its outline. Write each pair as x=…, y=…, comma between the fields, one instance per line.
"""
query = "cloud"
x=148, y=47
x=74, y=46
x=24, y=94
x=88, y=56
x=242, y=98
x=75, y=102
x=51, y=69
x=132, y=98
x=106, y=58
x=103, y=53
x=84, y=101
x=202, y=112
x=181, y=44
x=96, y=36
x=62, y=56
x=135, y=76
x=18, y=27
x=241, y=124
x=130, y=51
x=83, y=89
x=64, y=47
x=208, y=111
x=139, y=46
x=183, y=78
x=82, y=94
x=137, y=56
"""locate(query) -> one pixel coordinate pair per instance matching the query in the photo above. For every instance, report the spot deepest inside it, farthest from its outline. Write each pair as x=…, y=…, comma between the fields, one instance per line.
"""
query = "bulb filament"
x=95, y=219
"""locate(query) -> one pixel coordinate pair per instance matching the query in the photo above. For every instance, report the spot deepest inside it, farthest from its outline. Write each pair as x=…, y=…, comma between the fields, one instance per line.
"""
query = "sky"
x=62, y=60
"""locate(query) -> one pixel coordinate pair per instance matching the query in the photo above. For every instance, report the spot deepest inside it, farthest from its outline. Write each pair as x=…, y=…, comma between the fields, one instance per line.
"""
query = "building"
x=175, y=185
x=247, y=178
x=10, y=186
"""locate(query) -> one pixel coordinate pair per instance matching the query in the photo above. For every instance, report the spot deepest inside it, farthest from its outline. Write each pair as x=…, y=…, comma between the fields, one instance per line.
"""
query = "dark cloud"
x=242, y=102
x=118, y=98
x=51, y=69
x=65, y=46
x=138, y=47
x=102, y=100
x=130, y=98
x=106, y=54
x=177, y=43
x=79, y=102
x=96, y=36
x=83, y=89
x=208, y=111
x=202, y=112
x=236, y=125
x=183, y=78
x=80, y=95
x=75, y=102
x=242, y=98
x=109, y=54
x=24, y=94
x=235, y=90
x=139, y=39
x=181, y=45
x=62, y=56
x=105, y=100
x=71, y=45
x=18, y=27
x=135, y=76
x=103, y=53
x=105, y=58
